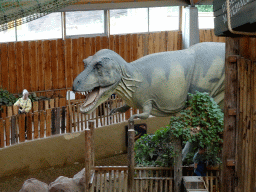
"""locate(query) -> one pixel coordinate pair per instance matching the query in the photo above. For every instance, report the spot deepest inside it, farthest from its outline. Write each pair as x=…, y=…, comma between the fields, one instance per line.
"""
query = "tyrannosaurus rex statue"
x=158, y=83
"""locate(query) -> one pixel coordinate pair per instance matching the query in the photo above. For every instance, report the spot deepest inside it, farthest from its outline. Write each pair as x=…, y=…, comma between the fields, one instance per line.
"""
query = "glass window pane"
x=164, y=18
x=205, y=20
x=7, y=35
x=205, y=16
x=47, y=27
x=128, y=20
x=84, y=22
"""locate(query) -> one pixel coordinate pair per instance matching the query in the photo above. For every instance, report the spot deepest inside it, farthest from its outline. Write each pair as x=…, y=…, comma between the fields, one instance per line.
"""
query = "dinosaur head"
x=98, y=80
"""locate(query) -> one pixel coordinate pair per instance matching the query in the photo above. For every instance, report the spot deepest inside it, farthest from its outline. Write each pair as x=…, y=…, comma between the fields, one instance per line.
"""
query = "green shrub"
x=201, y=115
x=6, y=98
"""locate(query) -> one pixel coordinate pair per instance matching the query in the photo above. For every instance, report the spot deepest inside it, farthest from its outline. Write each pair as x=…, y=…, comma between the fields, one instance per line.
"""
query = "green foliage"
x=201, y=122
x=6, y=98
x=205, y=8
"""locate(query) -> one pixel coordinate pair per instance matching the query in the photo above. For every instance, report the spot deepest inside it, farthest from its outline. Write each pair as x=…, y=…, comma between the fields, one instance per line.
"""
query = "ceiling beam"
x=126, y=5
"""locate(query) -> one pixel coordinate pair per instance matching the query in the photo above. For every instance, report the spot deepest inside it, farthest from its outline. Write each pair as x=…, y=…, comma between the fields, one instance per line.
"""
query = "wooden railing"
x=45, y=119
x=114, y=178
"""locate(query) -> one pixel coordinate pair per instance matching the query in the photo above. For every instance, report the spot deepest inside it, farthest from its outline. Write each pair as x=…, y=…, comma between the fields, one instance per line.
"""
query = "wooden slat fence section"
x=54, y=64
x=153, y=179
x=110, y=178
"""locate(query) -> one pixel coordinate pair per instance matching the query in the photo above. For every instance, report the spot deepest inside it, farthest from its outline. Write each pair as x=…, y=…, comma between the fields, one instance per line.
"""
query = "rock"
x=32, y=185
x=64, y=184
x=79, y=178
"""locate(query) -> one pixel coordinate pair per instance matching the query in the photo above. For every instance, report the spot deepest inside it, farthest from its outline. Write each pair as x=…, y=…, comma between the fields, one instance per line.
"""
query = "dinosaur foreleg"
x=122, y=109
x=146, y=112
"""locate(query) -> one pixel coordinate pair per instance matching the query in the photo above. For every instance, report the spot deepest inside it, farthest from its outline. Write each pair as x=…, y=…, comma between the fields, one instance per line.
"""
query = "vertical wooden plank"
x=41, y=64
x=162, y=42
x=54, y=64
x=4, y=66
x=140, y=52
x=112, y=42
x=46, y=104
x=34, y=65
x=150, y=43
x=56, y=102
x=47, y=67
x=29, y=126
x=35, y=106
x=58, y=120
x=98, y=43
x=63, y=118
x=61, y=64
x=4, y=112
x=117, y=44
x=104, y=42
x=7, y=130
x=129, y=48
x=12, y=68
x=22, y=127
x=122, y=47
x=42, y=123
x=51, y=103
x=35, y=120
x=27, y=66
x=75, y=64
x=81, y=47
x=62, y=102
x=48, y=122
x=19, y=66
x=68, y=127
x=87, y=48
x=13, y=129
x=68, y=62
x=93, y=45
x=1, y=133
x=230, y=101
x=74, y=117
x=9, y=111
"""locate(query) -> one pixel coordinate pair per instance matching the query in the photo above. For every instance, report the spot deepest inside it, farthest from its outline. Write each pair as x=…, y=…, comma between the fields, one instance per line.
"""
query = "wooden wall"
x=54, y=64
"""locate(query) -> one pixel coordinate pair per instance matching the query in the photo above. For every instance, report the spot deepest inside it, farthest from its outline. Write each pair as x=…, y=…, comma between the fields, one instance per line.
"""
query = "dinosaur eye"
x=98, y=65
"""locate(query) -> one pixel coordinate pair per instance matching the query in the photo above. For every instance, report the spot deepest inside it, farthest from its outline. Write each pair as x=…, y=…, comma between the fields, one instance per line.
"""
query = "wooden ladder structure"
x=194, y=184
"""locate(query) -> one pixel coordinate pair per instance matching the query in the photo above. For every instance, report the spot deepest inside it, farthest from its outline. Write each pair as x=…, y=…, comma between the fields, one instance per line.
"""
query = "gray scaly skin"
x=158, y=83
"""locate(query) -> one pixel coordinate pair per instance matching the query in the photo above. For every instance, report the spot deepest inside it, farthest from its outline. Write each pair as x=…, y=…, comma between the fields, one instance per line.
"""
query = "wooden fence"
x=50, y=66
x=46, y=119
x=8, y=111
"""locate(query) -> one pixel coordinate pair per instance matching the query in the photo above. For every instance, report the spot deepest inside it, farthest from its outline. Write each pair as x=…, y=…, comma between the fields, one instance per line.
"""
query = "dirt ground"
x=14, y=183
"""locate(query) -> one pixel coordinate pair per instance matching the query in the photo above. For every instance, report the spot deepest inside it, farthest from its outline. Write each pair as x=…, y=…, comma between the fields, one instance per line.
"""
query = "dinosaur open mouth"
x=92, y=97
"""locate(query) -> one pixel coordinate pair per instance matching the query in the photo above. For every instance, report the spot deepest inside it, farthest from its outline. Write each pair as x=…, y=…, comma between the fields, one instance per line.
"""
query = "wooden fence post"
x=29, y=126
x=7, y=130
x=131, y=135
x=1, y=133
x=88, y=156
x=63, y=117
x=57, y=121
x=177, y=165
x=91, y=127
x=53, y=118
x=13, y=130
x=22, y=127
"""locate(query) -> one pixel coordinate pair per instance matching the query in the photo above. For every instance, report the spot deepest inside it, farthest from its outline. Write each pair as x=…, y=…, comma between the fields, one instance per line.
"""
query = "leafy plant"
x=6, y=98
x=200, y=122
